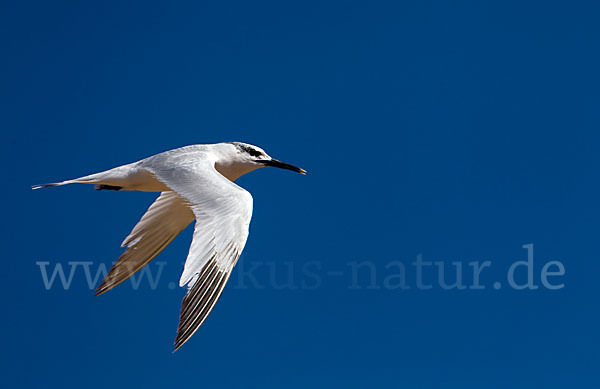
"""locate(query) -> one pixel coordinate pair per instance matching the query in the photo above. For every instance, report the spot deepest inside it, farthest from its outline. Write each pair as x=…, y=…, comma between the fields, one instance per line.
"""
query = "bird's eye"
x=252, y=151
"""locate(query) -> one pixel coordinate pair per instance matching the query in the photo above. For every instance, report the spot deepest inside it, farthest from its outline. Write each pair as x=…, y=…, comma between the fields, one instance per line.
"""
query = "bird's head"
x=258, y=158
x=241, y=158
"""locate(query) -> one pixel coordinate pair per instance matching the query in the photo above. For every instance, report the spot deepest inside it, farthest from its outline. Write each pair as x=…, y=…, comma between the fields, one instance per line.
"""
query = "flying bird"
x=195, y=182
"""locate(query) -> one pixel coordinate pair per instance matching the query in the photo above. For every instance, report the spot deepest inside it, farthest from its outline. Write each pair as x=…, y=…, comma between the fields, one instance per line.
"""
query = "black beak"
x=282, y=165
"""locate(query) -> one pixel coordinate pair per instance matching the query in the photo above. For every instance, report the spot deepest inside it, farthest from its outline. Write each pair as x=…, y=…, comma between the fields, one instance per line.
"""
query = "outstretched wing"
x=223, y=211
x=167, y=216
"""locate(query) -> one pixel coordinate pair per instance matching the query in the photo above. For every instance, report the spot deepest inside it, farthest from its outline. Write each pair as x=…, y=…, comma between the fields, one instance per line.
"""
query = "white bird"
x=196, y=182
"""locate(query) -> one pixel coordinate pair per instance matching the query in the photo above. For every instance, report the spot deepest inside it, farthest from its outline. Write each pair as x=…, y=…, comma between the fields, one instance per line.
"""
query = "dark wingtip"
x=107, y=187
x=101, y=289
x=178, y=341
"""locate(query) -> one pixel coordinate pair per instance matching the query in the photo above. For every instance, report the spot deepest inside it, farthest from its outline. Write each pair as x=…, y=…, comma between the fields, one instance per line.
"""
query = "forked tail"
x=113, y=179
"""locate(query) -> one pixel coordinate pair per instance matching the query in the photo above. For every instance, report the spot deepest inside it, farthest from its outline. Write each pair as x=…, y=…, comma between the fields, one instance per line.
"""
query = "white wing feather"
x=163, y=221
x=223, y=211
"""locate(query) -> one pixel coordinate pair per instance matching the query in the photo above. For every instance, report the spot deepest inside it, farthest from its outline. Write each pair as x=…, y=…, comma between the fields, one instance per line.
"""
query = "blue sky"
x=458, y=131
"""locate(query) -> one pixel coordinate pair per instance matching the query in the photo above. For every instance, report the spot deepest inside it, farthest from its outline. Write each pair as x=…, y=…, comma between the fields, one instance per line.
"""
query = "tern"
x=195, y=182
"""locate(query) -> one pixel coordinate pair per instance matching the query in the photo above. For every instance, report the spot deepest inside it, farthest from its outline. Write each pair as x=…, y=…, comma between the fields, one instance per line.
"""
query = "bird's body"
x=196, y=182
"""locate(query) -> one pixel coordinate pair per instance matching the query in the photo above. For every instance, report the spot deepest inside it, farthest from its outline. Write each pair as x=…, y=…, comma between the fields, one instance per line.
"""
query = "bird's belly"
x=145, y=181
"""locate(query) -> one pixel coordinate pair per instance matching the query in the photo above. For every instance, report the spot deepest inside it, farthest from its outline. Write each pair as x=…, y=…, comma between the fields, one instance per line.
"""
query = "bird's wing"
x=167, y=216
x=223, y=211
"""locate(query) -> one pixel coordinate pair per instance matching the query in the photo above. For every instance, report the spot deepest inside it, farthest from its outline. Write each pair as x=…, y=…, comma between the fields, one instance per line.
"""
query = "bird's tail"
x=112, y=179
x=34, y=187
x=74, y=181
